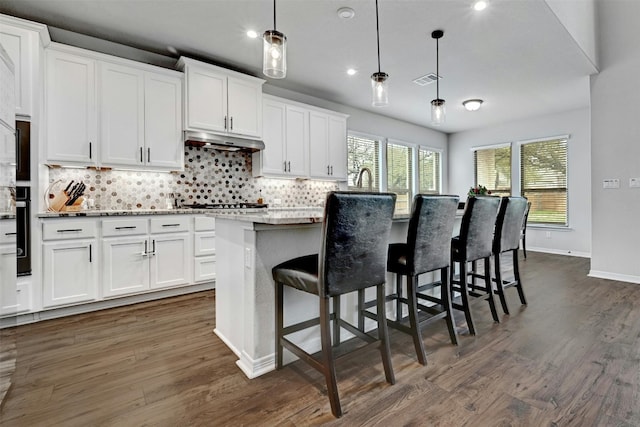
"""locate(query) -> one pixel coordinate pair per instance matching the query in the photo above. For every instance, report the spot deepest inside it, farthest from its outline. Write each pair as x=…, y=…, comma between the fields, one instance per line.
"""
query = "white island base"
x=248, y=247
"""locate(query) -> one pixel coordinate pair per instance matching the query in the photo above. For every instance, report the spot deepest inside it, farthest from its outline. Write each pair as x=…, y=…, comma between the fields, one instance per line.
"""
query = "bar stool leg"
x=464, y=296
x=383, y=334
x=500, y=288
x=516, y=272
x=399, y=295
x=279, y=324
x=360, y=310
x=327, y=356
x=412, y=284
x=336, y=321
x=445, y=296
x=487, y=281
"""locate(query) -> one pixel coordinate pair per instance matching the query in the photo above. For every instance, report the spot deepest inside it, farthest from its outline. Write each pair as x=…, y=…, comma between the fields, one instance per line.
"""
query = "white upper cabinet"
x=71, y=108
x=286, y=139
x=21, y=40
x=140, y=118
x=121, y=115
x=221, y=101
x=107, y=111
x=328, y=146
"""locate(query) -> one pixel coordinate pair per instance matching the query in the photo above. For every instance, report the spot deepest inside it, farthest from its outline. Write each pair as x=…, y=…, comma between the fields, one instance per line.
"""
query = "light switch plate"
x=611, y=183
x=634, y=182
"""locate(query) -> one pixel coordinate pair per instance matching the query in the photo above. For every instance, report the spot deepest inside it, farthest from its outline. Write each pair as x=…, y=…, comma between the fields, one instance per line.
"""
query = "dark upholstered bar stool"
x=523, y=231
x=427, y=249
x=474, y=243
x=353, y=256
x=507, y=239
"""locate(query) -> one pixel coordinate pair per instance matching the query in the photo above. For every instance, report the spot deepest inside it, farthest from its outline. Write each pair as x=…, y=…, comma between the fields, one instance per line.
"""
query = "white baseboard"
x=559, y=252
x=253, y=368
x=614, y=276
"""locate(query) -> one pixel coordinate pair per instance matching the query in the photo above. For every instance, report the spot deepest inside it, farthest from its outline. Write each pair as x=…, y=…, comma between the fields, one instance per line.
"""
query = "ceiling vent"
x=426, y=79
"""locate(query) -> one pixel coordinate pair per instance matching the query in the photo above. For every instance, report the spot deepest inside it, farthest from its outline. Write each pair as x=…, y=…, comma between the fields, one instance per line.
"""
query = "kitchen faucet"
x=359, y=180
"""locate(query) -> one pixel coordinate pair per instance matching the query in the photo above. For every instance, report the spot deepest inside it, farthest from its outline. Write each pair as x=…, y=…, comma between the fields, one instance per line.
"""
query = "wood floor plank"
x=570, y=357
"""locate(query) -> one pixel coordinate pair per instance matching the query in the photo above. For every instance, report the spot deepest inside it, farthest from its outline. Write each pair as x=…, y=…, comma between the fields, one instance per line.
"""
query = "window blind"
x=493, y=169
x=363, y=152
x=399, y=175
x=428, y=171
x=543, y=172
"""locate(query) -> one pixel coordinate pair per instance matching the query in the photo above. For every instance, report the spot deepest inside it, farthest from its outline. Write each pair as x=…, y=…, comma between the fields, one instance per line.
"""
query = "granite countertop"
x=283, y=216
x=134, y=212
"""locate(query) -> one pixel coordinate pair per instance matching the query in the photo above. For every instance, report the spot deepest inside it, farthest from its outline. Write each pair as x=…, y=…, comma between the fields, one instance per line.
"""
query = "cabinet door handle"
x=148, y=155
x=145, y=249
x=331, y=170
x=328, y=170
x=130, y=227
x=90, y=252
x=141, y=155
x=69, y=230
x=225, y=122
x=285, y=165
x=289, y=164
x=90, y=150
x=231, y=122
x=153, y=247
x=170, y=225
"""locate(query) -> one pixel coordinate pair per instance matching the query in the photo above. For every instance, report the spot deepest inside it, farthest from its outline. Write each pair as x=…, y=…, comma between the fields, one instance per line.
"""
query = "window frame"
x=519, y=144
x=493, y=147
x=416, y=162
x=381, y=183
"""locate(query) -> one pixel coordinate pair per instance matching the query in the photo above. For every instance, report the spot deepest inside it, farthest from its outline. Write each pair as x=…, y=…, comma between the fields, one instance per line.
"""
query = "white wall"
x=615, y=147
x=578, y=17
x=576, y=240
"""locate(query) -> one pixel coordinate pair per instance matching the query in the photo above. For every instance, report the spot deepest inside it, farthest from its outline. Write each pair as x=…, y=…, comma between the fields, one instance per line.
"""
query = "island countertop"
x=282, y=216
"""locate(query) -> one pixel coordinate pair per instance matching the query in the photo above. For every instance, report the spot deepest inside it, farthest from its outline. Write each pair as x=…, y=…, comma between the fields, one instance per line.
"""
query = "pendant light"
x=437, y=105
x=379, y=86
x=274, y=51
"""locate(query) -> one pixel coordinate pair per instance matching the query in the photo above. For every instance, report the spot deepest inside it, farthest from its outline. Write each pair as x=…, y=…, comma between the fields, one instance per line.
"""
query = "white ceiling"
x=515, y=55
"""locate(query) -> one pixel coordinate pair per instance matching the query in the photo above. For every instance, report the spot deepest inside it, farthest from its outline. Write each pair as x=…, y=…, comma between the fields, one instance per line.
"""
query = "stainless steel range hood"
x=221, y=142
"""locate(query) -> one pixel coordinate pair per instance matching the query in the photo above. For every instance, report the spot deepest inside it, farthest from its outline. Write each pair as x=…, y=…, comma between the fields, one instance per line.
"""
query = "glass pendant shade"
x=274, y=54
x=438, y=113
x=379, y=89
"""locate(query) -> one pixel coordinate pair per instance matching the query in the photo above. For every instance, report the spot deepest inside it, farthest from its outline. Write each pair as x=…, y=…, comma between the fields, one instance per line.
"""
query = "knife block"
x=58, y=203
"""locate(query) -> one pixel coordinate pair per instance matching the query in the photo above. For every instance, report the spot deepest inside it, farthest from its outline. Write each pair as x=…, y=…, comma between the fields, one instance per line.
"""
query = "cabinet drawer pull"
x=170, y=225
x=90, y=253
x=10, y=234
x=129, y=227
x=69, y=230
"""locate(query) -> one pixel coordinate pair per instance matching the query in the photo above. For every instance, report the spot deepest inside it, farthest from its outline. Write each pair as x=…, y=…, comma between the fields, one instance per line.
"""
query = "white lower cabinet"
x=136, y=260
x=69, y=262
x=13, y=299
x=204, y=249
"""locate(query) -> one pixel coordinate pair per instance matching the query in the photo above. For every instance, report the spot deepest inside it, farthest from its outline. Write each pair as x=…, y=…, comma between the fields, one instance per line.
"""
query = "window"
x=543, y=174
x=428, y=171
x=493, y=169
x=400, y=175
x=363, y=152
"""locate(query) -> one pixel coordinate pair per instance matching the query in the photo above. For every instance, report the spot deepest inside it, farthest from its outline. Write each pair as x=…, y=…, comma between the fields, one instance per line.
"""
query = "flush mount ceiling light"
x=480, y=5
x=379, y=86
x=274, y=51
x=472, y=104
x=437, y=105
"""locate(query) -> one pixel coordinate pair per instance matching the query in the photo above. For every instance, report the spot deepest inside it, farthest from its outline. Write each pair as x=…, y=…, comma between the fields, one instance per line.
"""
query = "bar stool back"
x=355, y=235
x=474, y=243
x=427, y=249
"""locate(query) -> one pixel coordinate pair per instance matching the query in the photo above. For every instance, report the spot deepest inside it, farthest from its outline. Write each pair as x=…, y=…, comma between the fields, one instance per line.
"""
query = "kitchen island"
x=249, y=245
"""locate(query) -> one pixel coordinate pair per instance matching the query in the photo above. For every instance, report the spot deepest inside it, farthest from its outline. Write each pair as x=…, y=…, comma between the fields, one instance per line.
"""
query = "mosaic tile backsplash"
x=210, y=176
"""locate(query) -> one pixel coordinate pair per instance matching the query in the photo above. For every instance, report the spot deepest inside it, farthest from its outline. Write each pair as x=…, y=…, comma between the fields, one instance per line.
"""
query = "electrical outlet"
x=634, y=182
x=247, y=257
x=611, y=183
x=547, y=234
x=277, y=201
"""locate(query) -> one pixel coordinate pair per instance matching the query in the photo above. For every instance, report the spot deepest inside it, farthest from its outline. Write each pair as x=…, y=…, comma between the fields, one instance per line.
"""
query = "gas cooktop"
x=235, y=205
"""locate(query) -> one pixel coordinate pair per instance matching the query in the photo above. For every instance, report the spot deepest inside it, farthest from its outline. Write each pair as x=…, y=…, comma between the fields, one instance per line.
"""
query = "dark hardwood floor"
x=570, y=358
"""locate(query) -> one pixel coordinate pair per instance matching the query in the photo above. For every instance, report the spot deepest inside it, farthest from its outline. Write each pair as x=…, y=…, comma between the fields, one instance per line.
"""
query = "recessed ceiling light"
x=346, y=13
x=252, y=34
x=352, y=71
x=480, y=5
x=472, y=104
